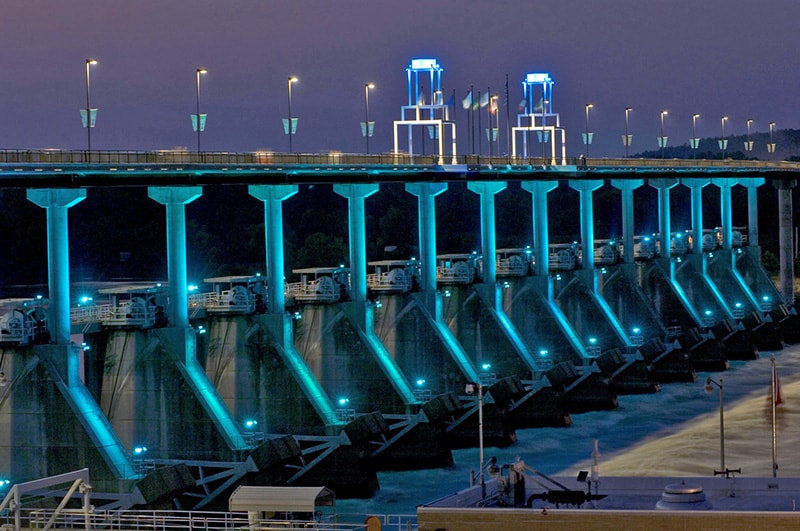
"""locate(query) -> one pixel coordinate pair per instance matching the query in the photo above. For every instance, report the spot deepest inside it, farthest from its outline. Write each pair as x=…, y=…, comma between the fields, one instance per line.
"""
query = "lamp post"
x=748, y=145
x=662, y=140
x=587, y=136
x=695, y=141
x=469, y=390
x=88, y=121
x=771, y=145
x=723, y=143
x=627, y=138
x=367, y=130
x=199, y=122
x=290, y=125
x=709, y=387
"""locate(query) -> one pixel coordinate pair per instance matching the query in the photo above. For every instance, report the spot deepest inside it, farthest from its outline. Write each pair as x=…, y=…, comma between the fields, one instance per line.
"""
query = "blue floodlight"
x=140, y=450
x=592, y=340
x=85, y=347
x=538, y=77
x=708, y=312
x=765, y=298
x=191, y=287
x=424, y=64
x=84, y=299
x=249, y=424
x=506, y=285
x=378, y=304
x=486, y=366
x=343, y=401
x=636, y=329
x=738, y=305
x=544, y=353
x=420, y=382
x=297, y=316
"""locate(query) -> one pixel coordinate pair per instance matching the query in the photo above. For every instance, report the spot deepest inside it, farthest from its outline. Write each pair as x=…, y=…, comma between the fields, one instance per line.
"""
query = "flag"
x=522, y=104
x=539, y=106
x=421, y=97
x=466, y=103
x=776, y=387
x=451, y=102
x=485, y=99
x=493, y=107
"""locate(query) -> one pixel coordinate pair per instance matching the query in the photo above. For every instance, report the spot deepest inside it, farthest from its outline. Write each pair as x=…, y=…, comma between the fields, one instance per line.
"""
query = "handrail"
x=88, y=159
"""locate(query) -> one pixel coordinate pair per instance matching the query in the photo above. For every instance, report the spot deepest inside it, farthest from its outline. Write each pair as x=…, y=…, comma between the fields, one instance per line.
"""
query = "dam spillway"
x=286, y=386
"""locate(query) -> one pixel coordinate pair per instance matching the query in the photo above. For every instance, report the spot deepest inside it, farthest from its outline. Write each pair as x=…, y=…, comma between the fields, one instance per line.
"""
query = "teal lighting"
x=544, y=353
x=708, y=312
x=191, y=287
x=201, y=329
x=85, y=299
x=765, y=298
x=420, y=382
x=636, y=330
x=738, y=305
x=297, y=316
x=592, y=340
x=506, y=285
x=85, y=347
x=250, y=424
x=140, y=450
x=378, y=304
x=486, y=366
x=447, y=293
x=343, y=401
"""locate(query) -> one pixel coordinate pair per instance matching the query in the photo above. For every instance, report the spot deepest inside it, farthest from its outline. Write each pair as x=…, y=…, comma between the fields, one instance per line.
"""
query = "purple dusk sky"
x=713, y=57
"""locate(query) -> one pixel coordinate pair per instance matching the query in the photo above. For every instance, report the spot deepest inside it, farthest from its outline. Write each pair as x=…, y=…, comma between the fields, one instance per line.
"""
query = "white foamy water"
x=671, y=433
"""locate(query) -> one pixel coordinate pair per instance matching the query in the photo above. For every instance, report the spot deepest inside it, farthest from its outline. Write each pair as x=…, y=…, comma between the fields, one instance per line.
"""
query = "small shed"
x=266, y=502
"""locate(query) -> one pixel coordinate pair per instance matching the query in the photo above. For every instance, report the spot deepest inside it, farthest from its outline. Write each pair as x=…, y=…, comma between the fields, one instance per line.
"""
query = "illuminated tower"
x=429, y=111
x=537, y=115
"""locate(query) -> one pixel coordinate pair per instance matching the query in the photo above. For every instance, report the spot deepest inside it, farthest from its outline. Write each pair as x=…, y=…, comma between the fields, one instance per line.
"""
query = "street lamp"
x=587, y=136
x=626, y=140
x=199, y=121
x=662, y=140
x=748, y=145
x=723, y=143
x=469, y=390
x=695, y=141
x=771, y=145
x=290, y=126
x=89, y=115
x=367, y=127
x=709, y=387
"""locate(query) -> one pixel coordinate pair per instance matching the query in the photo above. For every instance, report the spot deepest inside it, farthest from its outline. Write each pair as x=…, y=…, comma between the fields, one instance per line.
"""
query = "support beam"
x=56, y=203
x=726, y=213
x=752, y=184
x=426, y=192
x=627, y=187
x=696, y=186
x=487, y=191
x=586, y=188
x=355, y=194
x=664, y=219
x=273, y=197
x=786, y=254
x=541, y=238
x=175, y=200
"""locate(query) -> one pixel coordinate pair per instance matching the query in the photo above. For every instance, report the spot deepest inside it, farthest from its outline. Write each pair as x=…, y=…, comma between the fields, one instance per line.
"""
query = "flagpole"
x=472, y=116
x=480, y=132
x=508, y=122
x=774, y=430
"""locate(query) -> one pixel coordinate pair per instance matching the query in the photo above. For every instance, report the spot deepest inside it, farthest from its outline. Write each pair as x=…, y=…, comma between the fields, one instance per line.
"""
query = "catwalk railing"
x=335, y=158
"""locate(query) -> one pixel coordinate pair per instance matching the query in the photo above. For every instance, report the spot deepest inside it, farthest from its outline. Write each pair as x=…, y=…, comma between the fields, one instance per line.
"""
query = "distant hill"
x=787, y=147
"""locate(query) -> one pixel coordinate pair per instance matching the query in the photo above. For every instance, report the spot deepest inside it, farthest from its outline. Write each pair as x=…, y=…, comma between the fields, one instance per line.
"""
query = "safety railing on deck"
x=198, y=520
x=179, y=156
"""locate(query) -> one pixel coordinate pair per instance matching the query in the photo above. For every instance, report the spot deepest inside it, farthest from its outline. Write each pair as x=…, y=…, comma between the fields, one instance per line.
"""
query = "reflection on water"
x=671, y=433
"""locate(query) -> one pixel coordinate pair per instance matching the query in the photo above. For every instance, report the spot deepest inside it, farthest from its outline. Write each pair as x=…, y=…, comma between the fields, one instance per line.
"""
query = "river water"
x=675, y=432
